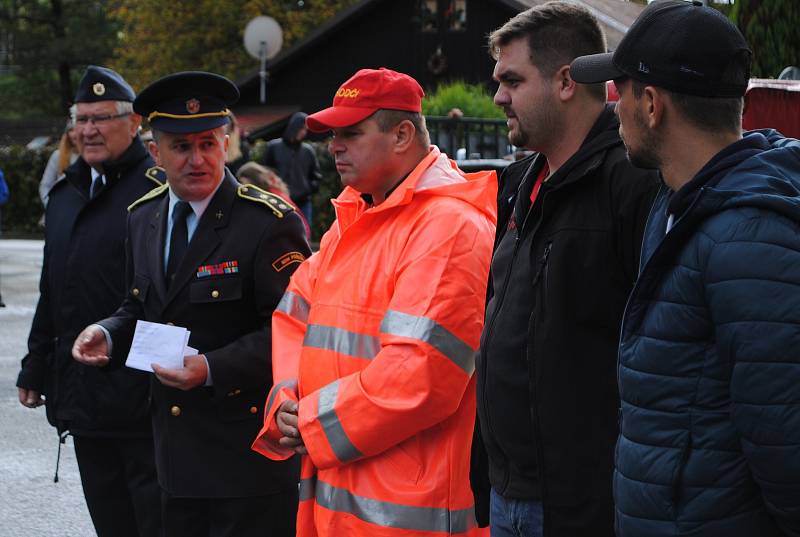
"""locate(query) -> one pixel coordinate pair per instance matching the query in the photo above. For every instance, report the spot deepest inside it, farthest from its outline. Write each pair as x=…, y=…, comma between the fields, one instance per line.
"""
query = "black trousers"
x=274, y=515
x=120, y=485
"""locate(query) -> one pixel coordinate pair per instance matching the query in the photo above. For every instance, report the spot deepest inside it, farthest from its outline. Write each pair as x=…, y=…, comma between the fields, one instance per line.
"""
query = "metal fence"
x=470, y=138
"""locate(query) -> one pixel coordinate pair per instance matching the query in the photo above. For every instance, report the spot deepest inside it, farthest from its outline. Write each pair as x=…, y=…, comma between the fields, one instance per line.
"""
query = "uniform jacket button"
x=171, y=323
x=215, y=293
x=253, y=410
x=135, y=291
x=175, y=410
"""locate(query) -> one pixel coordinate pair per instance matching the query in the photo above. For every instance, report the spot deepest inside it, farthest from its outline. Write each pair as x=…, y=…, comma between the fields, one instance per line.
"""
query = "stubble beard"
x=646, y=155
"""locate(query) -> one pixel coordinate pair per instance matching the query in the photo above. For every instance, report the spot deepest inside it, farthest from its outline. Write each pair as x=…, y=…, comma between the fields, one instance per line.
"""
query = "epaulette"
x=156, y=192
x=279, y=206
x=157, y=174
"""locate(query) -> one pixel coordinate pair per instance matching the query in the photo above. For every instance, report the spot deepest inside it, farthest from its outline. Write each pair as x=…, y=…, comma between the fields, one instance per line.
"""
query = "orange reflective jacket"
x=376, y=337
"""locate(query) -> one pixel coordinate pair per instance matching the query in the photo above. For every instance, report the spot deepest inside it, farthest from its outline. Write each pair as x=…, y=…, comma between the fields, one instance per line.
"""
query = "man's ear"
x=653, y=106
x=136, y=121
x=153, y=148
x=405, y=133
x=565, y=86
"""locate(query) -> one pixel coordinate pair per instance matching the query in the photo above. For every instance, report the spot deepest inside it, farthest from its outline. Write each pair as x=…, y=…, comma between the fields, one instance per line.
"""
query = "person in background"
x=83, y=280
x=253, y=173
x=709, y=352
x=570, y=222
x=374, y=340
x=295, y=162
x=238, y=149
x=4, y=195
x=68, y=152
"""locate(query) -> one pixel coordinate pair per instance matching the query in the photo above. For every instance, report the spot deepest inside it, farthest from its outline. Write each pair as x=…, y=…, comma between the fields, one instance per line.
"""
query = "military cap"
x=191, y=101
x=103, y=84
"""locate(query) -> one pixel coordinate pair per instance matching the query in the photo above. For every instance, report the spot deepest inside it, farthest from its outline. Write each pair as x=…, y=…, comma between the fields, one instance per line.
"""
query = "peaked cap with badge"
x=103, y=84
x=190, y=101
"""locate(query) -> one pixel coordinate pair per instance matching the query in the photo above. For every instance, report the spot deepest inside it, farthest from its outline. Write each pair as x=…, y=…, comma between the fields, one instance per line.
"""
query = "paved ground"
x=30, y=503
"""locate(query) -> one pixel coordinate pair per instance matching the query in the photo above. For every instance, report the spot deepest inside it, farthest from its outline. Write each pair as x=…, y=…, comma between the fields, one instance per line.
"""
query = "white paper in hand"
x=155, y=343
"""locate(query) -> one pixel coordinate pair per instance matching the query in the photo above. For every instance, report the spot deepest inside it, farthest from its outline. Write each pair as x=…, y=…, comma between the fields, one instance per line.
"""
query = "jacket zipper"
x=501, y=297
x=534, y=413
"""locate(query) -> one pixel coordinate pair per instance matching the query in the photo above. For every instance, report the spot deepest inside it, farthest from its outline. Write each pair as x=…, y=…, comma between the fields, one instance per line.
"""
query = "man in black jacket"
x=213, y=256
x=570, y=221
x=295, y=162
x=83, y=280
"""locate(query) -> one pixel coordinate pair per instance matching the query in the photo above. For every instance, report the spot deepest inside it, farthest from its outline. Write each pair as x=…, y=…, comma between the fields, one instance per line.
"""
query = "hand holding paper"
x=193, y=373
x=157, y=343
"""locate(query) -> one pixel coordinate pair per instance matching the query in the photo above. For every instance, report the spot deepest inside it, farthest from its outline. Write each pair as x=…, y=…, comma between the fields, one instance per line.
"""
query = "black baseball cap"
x=680, y=46
x=190, y=101
x=103, y=84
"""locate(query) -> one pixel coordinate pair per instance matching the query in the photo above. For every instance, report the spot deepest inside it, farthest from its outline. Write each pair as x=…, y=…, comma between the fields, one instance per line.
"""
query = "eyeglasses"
x=82, y=121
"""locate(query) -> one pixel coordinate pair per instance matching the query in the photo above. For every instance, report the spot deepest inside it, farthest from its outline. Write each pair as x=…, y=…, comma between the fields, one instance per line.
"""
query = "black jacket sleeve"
x=246, y=362
x=40, y=340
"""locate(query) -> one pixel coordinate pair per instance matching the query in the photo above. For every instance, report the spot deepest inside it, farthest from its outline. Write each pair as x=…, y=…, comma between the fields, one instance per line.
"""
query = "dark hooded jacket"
x=295, y=161
x=82, y=281
x=709, y=367
x=561, y=272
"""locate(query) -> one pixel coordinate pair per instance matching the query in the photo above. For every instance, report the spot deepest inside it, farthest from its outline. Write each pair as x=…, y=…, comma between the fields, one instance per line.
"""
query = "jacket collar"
x=78, y=174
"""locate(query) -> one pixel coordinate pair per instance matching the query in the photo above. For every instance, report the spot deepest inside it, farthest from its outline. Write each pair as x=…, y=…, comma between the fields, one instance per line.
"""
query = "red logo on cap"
x=192, y=106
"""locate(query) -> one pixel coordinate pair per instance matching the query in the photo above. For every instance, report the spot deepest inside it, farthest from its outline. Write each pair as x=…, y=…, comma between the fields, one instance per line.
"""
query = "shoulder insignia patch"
x=153, y=194
x=157, y=175
x=287, y=259
x=279, y=206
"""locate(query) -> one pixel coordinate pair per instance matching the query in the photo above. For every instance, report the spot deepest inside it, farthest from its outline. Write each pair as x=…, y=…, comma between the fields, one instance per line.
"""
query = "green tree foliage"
x=771, y=29
x=472, y=99
x=161, y=37
x=46, y=43
x=22, y=169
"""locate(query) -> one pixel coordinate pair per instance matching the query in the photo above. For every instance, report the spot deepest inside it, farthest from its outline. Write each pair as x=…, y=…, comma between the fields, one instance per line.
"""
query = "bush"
x=472, y=99
x=770, y=28
x=23, y=170
x=329, y=188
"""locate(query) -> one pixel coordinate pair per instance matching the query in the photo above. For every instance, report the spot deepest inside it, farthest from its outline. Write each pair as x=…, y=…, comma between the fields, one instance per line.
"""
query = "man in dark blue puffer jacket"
x=709, y=360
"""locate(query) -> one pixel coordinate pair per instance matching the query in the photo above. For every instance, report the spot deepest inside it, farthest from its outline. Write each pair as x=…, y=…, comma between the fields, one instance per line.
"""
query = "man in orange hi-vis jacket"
x=374, y=340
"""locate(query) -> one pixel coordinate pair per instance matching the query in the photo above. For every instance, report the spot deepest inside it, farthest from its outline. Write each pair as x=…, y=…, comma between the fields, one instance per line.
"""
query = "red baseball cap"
x=364, y=93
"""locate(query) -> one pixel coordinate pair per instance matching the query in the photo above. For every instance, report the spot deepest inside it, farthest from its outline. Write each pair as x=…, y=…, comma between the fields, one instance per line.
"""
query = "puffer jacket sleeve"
x=428, y=338
x=753, y=292
x=289, y=323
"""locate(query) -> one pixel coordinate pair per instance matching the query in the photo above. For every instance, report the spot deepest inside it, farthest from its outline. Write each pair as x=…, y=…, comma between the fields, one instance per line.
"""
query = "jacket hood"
x=762, y=174
x=436, y=175
x=296, y=122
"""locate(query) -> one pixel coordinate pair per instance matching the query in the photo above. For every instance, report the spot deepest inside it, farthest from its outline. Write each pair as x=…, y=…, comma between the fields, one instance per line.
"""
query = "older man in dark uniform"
x=213, y=256
x=83, y=280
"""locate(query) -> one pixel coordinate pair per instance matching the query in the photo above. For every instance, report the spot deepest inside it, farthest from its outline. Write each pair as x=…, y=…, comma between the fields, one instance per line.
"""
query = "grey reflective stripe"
x=307, y=487
x=342, y=341
x=394, y=515
x=293, y=305
x=397, y=323
x=289, y=383
x=341, y=445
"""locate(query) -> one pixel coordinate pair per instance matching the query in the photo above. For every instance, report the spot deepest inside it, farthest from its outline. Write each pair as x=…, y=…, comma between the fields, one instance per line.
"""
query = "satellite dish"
x=263, y=37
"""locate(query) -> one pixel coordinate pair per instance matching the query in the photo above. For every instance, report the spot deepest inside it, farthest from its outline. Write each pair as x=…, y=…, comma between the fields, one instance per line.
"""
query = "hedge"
x=23, y=170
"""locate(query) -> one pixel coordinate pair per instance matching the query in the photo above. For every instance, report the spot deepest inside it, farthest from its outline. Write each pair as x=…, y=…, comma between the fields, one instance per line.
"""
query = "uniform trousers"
x=120, y=485
x=274, y=515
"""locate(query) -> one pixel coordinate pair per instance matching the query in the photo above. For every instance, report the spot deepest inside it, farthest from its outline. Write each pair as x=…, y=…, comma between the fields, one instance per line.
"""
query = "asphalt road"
x=30, y=503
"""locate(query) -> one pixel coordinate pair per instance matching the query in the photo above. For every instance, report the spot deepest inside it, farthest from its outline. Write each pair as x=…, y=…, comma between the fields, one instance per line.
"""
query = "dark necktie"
x=94, y=188
x=179, y=238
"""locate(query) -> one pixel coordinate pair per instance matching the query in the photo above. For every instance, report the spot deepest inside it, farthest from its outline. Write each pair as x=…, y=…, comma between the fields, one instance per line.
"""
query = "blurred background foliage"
x=472, y=99
x=22, y=169
x=46, y=44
